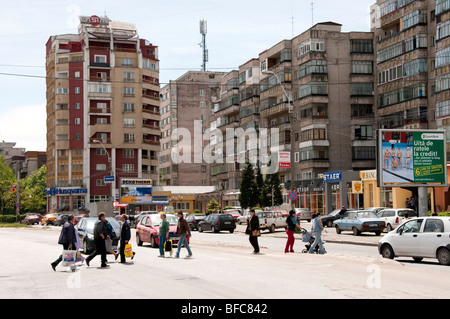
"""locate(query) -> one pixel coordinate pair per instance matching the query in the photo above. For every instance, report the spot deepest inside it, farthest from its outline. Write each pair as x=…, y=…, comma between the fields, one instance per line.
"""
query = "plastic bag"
x=128, y=250
x=69, y=258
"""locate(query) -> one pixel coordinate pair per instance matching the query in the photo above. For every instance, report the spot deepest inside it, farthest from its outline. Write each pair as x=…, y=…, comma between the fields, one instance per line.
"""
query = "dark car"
x=217, y=222
x=85, y=229
x=60, y=220
x=193, y=220
x=32, y=219
x=327, y=220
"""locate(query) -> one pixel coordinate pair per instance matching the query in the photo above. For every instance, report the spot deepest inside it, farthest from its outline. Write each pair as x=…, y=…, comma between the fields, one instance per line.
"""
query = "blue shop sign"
x=52, y=191
x=332, y=177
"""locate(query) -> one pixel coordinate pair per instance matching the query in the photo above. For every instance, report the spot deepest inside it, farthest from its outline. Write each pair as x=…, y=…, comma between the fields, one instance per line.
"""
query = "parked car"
x=358, y=222
x=194, y=219
x=327, y=220
x=137, y=218
x=393, y=217
x=271, y=220
x=48, y=219
x=376, y=210
x=217, y=222
x=303, y=214
x=420, y=237
x=236, y=213
x=77, y=218
x=60, y=220
x=32, y=219
x=85, y=229
x=148, y=228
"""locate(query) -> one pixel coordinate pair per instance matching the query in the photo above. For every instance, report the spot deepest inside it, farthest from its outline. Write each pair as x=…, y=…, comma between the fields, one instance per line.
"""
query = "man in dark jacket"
x=184, y=231
x=125, y=236
x=66, y=238
x=100, y=234
x=252, y=230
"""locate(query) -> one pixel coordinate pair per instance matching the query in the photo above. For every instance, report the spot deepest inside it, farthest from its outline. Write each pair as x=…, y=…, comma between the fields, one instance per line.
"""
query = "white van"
x=421, y=237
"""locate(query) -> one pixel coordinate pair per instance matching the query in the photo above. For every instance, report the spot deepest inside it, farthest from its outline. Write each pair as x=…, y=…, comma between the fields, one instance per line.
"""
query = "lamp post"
x=112, y=171
x=291, y=119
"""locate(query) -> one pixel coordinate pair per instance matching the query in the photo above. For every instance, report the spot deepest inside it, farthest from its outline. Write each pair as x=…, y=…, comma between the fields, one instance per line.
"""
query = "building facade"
x=103, y=111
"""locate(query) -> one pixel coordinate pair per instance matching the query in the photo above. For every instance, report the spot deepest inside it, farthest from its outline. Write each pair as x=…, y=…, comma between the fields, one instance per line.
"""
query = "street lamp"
x=112, y=171
x=291, y=118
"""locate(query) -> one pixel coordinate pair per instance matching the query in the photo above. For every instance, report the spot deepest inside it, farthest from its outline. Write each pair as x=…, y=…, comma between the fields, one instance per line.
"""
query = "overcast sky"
x=238, y=30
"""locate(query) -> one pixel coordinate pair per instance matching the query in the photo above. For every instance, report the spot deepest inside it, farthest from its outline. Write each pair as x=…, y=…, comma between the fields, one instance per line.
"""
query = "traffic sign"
x=293, y=195
x=108, y=179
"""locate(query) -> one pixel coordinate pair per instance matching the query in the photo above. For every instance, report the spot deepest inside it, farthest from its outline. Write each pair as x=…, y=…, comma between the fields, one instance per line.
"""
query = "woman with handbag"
x=253, y=231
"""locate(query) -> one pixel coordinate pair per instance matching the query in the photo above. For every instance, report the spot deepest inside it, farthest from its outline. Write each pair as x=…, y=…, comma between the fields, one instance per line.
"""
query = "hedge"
x=11, y=218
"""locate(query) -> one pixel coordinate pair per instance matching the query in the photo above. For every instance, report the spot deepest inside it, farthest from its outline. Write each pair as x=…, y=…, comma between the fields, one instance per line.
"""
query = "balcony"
x=270, y=110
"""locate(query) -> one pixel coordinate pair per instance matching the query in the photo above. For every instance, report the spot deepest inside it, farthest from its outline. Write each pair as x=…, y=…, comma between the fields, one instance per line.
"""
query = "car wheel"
x=272, y=228
x=200, y=229
x=387, y=252
x=138, y=240
x=213, y=230
x=356, y=232
x=338, y=230
x=389, y=228
x=85, y=247
x=443, y=256
x=153, y=242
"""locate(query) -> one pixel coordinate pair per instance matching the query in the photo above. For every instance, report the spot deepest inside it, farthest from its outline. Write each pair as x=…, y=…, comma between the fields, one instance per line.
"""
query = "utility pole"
x=203, y=31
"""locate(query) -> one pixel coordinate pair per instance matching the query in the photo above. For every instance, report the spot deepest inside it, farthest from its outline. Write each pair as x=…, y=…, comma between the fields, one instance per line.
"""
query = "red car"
x=148, y=228
x=32, y=219
x=77, y=218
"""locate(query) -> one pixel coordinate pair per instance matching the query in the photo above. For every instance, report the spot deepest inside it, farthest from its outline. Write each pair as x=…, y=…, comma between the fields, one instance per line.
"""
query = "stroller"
x=307, y=238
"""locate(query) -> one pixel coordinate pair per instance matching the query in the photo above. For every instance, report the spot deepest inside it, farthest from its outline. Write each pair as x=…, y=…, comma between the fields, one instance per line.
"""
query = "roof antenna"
x=312, y=12
x=203, y=31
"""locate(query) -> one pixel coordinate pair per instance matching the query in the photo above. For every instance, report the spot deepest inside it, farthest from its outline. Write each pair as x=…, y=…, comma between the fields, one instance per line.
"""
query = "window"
x=362, y=110
x=100, y=88
x=127, y=122
x=129, y=138
x=100, y=182
x=314, y=153
x=128, y=107
x=100, y=151
x=101, y=167
x=77, y=121
x=128, y=91
x=312, y=67
x=313, y=88
x=414, y=18
x=127, y=62
x=363, y=153
x=77, y=106
x=76, y=74
x=442, y=57
x=128, y=168
x=77, y=90
x=102, y=120
x=128, y=76
x=128, y=153
x=361, y=89
x=313, y=134
x=62, y=91
x=362, y=67
x=202, y=92
x=412, y=226
x=361, y=46
x=363, y=132
x=315, y=45
x=390, y=52
x=434, y=226
x=100, y=59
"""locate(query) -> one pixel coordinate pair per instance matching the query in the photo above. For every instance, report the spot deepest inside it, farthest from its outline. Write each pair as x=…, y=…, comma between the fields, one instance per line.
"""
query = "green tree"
x=7, y=178
x=276, y=190
x=32, y=191
x=248, y=196
x=213, y=204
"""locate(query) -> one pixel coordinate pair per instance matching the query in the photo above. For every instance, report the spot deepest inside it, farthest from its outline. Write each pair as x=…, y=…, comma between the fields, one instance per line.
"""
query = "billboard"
x=136, y=191
x=412, y=158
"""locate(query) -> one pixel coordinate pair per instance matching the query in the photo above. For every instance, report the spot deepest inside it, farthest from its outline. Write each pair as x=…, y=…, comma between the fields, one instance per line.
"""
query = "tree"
x=248, y=196
x=32, y=190
x=276, y=190
x=213, y=204
x=7, y=178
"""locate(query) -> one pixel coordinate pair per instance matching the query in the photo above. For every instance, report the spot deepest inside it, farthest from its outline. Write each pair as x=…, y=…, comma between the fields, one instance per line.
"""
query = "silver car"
x=303, y=214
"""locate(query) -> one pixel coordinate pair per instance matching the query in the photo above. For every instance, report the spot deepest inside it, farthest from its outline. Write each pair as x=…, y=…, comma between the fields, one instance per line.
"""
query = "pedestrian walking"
x=316, y=232
x=67, y=239
x=292, y=224
x=163, y=234
x=109, y=239
x=253, y=231
x=125, y=236
x=184, y=231
x=100, y=234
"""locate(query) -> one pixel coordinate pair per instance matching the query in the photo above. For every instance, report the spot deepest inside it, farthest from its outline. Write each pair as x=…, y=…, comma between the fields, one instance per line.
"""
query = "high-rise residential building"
x=186, y=105
x=103, y=111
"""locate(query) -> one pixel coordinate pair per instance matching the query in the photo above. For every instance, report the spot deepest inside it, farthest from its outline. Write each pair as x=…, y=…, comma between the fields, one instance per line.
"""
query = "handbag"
x=69, y=257
x=128, y=250
x=256, y=233
x=168, y=246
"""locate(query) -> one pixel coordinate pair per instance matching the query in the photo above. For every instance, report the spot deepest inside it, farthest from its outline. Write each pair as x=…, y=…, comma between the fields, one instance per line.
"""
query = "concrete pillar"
x=423, y=201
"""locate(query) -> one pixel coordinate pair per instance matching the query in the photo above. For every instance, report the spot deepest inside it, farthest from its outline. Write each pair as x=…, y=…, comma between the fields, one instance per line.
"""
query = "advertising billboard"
x=136, y=191
x=412, y=158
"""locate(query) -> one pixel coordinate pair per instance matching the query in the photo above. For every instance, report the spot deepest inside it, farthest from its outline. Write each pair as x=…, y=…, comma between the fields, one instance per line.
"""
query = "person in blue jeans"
x=163, y=234
x=316, y=231
x=184, y=231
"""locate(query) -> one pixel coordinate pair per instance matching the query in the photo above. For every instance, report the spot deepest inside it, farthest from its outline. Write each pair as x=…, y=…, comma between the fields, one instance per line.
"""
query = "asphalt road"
x=223, y=267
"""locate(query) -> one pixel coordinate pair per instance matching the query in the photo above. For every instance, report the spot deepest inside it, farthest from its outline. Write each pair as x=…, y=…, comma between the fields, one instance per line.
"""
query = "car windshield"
x=226, y=217
x=156, y=219
x=366, y=214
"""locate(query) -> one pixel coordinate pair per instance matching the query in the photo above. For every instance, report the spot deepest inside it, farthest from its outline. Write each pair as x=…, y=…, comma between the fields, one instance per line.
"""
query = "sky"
x=238, y=30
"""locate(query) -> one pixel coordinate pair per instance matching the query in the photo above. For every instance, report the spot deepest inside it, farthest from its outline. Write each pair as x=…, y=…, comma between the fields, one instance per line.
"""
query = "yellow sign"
x=357, y=187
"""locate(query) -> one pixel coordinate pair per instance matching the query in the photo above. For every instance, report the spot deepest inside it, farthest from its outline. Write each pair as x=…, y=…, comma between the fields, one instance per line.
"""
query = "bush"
x=11, y=218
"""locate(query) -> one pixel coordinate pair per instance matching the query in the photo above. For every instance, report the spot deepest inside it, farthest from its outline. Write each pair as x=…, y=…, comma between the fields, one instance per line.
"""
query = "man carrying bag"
x=100, y=234
x=67, y=238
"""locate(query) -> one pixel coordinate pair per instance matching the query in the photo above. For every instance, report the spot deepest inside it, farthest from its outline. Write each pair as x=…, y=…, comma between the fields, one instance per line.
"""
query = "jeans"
x=317, y=241
x=162, y=241
x=180, y=243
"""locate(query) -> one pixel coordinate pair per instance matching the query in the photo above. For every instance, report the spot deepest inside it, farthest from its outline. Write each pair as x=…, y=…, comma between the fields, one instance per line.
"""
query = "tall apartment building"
x=317, y=89
x=186, y=104
x=103, y=111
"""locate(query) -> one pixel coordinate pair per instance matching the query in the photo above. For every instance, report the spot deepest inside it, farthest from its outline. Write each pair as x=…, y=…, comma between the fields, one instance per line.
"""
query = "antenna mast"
x=312, y=12
x=203, y=31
